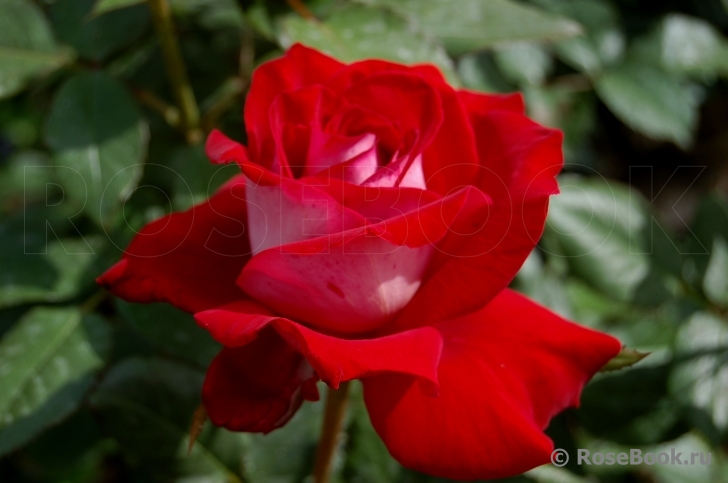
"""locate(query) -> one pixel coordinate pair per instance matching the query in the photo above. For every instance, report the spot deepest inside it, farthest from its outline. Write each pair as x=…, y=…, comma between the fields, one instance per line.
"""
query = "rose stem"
x=181, y=88
x=301, y=9
x=336, y=402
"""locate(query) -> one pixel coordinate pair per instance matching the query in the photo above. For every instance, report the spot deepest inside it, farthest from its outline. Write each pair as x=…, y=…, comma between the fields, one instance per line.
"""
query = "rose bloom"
x=378, y=219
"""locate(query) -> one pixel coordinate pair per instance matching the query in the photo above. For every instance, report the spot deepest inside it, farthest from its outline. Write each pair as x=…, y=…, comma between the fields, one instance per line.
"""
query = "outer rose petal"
x=488, y=244
x=188, y=259
x=477, y=103
x=258, y=387
x=415, y=352
x=505, y=371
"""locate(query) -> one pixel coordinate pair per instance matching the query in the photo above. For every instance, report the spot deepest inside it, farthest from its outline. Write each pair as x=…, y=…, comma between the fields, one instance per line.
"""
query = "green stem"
x=167, y=111
x=181, y=89
x=225, y=98
x=336, y=402
x=301, y=9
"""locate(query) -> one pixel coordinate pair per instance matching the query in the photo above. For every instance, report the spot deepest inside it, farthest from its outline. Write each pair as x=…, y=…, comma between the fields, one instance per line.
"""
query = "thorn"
x=198, y=422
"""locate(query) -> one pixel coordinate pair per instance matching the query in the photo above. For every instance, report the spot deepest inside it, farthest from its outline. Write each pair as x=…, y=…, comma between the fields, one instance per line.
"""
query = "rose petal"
x=355, y=280
x=293, y=211
x=415, y=352
x=478, y=103
x=299, y=124
x=257, y=387
x=451, y=159
x=505, y=371
x=405, y=99
x=352, y=288
x=299, y=67
x=487, y=244
x=188, y=259
x=404, y=173
x=453, y=145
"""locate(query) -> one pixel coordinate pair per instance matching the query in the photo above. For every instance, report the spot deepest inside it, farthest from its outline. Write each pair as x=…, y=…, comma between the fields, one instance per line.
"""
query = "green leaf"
x=604, y=42
x=479, y=72
x=469, y=25
x=542, y=285
x=692, y=46
x=16, y=187
x=615, y=405
x=597, y=226
x=286, y=455
x=96, y=37
x=99, y=141
x=38, y=267
x=57, y=408
x=195, y=178
x=685, y=473
x=710, y=221
x=650, y=101
x=27, y=48
x=52, y=277
x=524, y=63
x=147, y=406
x=359, y=32
x=103, y=6
x=625, y=358
x=703, y=381
x=553, y=474
x=48, y=349
x=715, y=283
x=259, y=19
x=172, y=331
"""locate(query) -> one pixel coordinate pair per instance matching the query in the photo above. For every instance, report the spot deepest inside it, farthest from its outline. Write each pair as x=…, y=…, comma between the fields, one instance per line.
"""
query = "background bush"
x=100, y=390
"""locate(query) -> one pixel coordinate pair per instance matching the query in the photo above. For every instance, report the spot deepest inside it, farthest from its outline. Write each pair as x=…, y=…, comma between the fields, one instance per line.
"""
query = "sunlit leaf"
x=597, y=227
x=360, y=32
x=103, y=6
x=524, y=63
x=703, y=381
x=468, y=25
x=603, y=42
x=99, y=141
x=43, y=364
x=650, y=101
x=715, y=282
x=691, y=45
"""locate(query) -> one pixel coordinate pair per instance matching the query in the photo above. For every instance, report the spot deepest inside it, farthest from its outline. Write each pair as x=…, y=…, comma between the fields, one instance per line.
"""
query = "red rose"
x=377, y=222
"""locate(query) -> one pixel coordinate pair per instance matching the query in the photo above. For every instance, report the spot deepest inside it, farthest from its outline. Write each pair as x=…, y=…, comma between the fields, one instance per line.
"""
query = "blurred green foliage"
x=94, y=390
